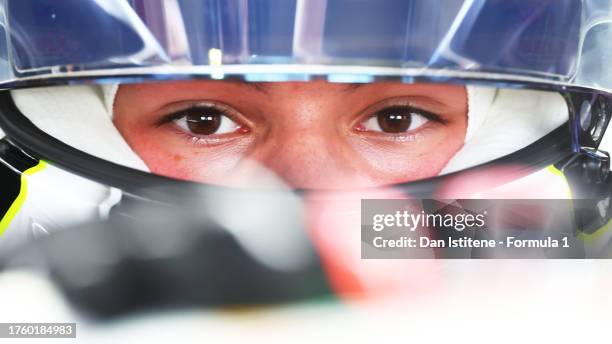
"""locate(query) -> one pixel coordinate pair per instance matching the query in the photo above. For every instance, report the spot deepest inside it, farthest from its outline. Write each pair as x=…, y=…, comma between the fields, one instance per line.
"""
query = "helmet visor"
x=562, y=41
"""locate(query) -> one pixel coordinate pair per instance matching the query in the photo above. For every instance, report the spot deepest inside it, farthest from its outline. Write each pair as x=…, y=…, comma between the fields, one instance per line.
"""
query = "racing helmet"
x=533, y=74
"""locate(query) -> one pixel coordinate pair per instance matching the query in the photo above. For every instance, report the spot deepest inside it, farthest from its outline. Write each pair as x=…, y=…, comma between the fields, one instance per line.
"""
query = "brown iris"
x=203, y=122
x=393, y=122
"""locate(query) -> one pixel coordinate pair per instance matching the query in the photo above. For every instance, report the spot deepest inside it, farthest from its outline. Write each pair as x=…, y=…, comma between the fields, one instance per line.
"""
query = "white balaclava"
x=500, y=121
x=80, y=116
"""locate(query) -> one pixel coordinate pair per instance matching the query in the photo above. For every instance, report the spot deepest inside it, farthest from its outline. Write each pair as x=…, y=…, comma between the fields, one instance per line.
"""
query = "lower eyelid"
x=401, y=137
x=197, y=140
x=405, y=137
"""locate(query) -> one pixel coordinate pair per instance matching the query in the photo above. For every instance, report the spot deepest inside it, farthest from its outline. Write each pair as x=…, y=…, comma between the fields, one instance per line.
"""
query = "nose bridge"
x=304, y=144
x=302, y=157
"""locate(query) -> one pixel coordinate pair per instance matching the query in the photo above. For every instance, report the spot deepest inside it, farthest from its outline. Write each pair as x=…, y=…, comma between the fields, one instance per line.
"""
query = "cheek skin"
x=390, y=163
x=191, y=166
x=364, y=163
x=175, y=156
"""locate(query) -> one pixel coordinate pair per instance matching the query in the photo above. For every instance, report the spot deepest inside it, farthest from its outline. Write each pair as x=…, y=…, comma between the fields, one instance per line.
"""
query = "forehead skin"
x=302, y=131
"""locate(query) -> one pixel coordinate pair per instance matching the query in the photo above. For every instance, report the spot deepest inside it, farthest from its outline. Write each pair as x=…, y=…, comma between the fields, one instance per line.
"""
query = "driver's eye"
x=204, y=121
x=395, y=120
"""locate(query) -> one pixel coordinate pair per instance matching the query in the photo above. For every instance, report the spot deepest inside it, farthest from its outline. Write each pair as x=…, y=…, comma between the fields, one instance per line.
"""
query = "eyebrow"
x=352, y=87
x=257, y=86
x=264, y=87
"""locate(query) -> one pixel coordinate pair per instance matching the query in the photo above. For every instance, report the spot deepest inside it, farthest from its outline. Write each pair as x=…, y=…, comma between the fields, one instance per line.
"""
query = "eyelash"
x=213, y=138
x=411, y=109
x=183, y=113
x=399, y=109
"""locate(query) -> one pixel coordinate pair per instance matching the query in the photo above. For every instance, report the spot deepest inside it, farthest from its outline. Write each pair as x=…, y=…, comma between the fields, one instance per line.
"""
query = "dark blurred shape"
x=176, y=257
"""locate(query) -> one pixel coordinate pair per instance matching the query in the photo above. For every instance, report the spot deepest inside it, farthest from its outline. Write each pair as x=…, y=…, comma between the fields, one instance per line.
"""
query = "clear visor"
x=563, y=41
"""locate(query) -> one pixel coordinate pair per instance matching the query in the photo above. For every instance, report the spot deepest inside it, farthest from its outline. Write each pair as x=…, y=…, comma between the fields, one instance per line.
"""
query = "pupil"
x=203, y=123
x=393, y=123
